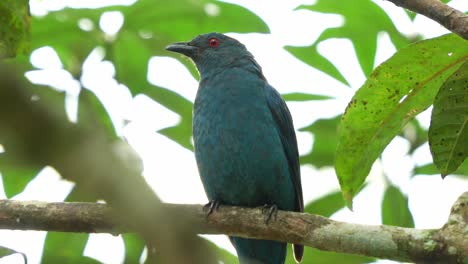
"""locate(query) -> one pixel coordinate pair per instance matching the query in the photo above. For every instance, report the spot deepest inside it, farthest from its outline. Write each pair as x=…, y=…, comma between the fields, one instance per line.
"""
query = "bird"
x=244, y=139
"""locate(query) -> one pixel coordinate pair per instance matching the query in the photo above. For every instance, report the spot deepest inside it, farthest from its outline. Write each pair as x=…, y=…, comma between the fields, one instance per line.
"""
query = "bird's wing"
x=283, y=119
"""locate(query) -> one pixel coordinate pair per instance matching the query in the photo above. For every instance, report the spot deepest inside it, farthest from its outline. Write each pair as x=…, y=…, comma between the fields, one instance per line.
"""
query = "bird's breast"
x=232, y=106
x=237, y=145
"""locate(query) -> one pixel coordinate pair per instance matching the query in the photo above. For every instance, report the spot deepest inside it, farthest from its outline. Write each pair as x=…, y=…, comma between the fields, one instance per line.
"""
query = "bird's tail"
x=298, y=251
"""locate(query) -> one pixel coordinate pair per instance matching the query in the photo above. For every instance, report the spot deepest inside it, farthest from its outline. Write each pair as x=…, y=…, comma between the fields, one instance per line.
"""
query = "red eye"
x=213, y=42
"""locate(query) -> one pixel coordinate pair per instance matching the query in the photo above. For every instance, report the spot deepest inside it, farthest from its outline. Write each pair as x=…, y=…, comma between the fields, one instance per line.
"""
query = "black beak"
x=182, y=48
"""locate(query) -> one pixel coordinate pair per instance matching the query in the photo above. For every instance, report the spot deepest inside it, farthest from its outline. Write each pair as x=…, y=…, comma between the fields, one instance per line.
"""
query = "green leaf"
x=66, y=248
x=325, y=140
x=93, y=114
x=311, y=56
x=430, y=169
x=326, y=205
x=4, y=251
x=395, y=209
x=300, y=97
x=77, y=194
x=182, y=132
x=15, y=28
x=356, y=28
x=60, y=30
x=411, y=14
x=15, y=176
x=134, y=247
x=131, y=69
x=397, y=90
x=223, y=255
x=448, y=133
x=171, y=21
x=182, y=20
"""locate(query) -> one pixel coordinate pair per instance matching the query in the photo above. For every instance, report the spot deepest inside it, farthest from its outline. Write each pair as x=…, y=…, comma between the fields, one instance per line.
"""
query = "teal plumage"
x=245, y=144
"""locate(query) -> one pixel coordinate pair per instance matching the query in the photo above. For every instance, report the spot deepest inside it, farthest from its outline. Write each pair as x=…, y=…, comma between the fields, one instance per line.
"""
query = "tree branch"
x=452, y=19
x=445, y=245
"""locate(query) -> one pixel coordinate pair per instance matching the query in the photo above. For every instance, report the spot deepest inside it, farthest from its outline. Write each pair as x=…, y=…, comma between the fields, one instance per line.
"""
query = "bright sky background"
x=171, y=169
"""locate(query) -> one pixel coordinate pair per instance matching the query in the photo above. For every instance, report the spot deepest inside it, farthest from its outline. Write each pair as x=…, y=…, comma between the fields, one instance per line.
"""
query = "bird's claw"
x=211, y=207
x=270, y=211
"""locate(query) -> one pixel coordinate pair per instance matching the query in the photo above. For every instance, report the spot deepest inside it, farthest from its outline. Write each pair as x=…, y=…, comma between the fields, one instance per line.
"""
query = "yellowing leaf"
x=396, y=91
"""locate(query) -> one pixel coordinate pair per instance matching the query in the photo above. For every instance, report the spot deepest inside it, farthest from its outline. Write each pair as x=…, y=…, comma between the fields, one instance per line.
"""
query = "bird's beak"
x=183, y=48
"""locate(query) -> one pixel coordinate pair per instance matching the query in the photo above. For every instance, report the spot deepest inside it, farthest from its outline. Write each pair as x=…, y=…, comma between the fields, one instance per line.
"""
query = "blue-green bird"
x=245, y=144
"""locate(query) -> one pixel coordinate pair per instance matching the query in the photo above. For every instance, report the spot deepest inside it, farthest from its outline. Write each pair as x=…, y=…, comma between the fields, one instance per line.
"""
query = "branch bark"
x=448, y=244
x=452, y=19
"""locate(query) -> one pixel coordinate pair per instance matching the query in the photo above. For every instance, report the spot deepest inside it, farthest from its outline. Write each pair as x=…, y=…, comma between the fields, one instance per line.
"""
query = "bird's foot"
x=211, y=207
x=270, y=211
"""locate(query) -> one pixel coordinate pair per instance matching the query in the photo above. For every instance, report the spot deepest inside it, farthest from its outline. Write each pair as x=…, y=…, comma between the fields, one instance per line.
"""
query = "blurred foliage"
x=134, y=247
x=66, y=248
x=15, y=177
x=326, y=205
x=182, y=132
x=398, y=90
x=415, y=134
x=224, y=256
x=4, y=252
x=357, y=28
x=145, y=32
x=448, y=133
x=149, y=25
x=16, y=174
x=63, y=247
x=430, y=169
x=325, y=133
x=15, y=28
x=92, y=112
x=395, y=210
x=300, y=97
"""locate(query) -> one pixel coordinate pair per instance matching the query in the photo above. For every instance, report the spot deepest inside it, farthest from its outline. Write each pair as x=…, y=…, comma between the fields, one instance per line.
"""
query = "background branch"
x=34, y=133
x=445, y=245
x=452, y=19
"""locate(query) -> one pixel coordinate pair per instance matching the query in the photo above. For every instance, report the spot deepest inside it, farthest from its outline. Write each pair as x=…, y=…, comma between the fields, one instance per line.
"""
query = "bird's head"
x=213, y=51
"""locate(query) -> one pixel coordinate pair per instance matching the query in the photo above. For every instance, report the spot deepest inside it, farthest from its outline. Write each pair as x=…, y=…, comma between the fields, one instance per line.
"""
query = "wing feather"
x=283, y=119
